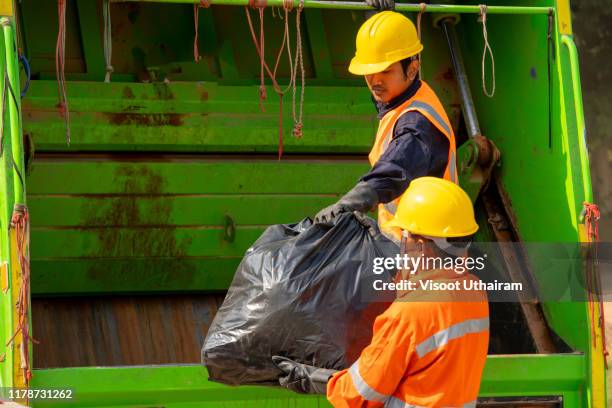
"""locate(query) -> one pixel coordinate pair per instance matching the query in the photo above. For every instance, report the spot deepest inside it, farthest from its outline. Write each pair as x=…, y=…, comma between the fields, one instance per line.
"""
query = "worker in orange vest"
x=414, y=138
x=429, y=348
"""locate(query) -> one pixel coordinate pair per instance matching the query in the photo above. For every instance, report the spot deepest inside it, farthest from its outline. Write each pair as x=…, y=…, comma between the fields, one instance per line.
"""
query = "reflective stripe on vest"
x=452, y=162
x=435, y=341
x=452, y=332
x=368, y=393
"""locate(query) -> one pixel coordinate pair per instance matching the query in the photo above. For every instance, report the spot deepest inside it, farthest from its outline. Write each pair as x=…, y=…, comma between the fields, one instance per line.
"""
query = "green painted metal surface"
x=195, y=117
x=540, y=166
x=171, y=152
x=160, y=225
x=186, y=386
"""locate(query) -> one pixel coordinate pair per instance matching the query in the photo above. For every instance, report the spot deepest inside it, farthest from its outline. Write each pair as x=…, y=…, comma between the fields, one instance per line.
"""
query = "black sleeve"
x=417, y=149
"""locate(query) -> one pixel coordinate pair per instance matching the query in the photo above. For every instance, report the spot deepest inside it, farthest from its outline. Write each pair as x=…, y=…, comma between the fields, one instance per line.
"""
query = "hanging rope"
x=591, y=222
x=297, y=121
x=419, y=16
x=21, y=224
x=260, y=46
x=108, y=40
x=287, y=6
x=293, y=66
x=196, y=21
x=487, y=48
x=60, y=66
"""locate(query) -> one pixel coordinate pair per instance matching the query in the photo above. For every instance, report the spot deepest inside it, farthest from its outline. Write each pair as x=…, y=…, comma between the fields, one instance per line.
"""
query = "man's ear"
x=413, y=68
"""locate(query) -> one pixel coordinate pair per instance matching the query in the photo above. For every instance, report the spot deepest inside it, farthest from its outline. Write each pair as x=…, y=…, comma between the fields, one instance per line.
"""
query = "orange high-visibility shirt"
x=427, y=103
x=428, y=350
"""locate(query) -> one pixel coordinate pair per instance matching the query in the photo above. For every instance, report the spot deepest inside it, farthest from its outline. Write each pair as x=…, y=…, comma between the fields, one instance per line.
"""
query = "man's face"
x=391, y=82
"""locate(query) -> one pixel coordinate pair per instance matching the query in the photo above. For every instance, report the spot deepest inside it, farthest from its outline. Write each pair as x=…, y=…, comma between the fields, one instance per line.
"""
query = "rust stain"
x=137, y=225
x=128, y=93
x=145, y=119
x=132, y=108
x=448, y=75
x=162, y=91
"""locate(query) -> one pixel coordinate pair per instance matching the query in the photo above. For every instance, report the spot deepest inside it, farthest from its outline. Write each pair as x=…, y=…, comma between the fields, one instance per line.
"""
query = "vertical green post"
x=14, y=107
x=12, y=191
x=6, y=206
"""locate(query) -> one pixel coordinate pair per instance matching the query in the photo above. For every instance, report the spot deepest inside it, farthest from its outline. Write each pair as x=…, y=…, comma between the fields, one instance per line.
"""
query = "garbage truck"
x=145, y=145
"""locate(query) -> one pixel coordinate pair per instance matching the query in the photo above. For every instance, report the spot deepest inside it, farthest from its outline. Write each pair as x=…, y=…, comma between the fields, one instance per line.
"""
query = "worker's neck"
x=384, y=107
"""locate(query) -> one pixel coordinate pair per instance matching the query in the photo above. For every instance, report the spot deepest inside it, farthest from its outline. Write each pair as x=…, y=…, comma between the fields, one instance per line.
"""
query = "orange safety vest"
x=428, y=349
x=427, y=103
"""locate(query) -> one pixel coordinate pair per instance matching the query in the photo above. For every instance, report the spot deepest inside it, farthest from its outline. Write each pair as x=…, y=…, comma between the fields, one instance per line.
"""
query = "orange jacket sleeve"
x=371, y=380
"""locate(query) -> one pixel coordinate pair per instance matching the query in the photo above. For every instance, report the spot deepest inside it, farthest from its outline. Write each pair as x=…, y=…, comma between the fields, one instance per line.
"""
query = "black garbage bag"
x=304, y=291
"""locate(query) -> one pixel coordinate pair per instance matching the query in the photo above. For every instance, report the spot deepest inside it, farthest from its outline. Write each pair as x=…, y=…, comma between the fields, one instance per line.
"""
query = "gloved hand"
x=381, y=4
x=362, y=198
x=302, y=378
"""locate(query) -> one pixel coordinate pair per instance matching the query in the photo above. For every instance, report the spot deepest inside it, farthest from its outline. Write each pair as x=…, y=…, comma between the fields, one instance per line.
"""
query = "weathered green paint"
x=186, y=386
x=193, y=175
x=152, y=226
x=188, y=117
x=316, y=29
x=91, y=35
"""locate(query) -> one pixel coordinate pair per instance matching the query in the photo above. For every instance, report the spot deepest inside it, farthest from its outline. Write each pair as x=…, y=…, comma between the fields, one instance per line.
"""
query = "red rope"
x=20, y=222
x=299, y=60
x=591, y=223
x=259, y=47
x=60, y=66
x=196, y=22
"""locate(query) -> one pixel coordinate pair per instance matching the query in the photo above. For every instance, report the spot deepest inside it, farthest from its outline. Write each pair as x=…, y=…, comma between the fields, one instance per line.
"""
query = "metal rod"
x=467, y=102
x=354, y=5
x=13, y=108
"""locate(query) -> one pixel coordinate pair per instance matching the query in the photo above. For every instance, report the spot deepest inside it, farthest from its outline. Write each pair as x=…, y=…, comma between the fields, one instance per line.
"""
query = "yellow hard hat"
x=435, y=207
x=383, y=39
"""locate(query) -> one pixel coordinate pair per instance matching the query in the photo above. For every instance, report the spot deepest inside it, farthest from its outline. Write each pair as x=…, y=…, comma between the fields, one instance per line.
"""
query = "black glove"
x=302, y=378
x=362, y=198
x=381, y=4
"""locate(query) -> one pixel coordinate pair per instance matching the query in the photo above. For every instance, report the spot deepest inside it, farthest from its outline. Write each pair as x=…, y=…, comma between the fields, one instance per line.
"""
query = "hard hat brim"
x=357, y=68
x=398, y=224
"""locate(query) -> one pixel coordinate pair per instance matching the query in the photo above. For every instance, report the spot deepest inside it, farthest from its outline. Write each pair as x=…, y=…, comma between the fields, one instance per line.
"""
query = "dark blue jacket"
x=417, y=149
